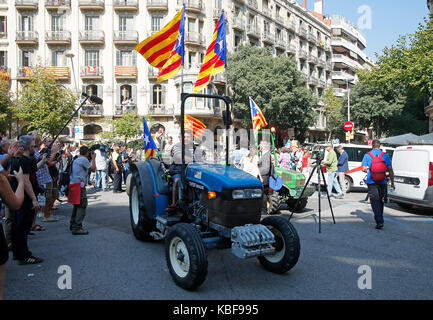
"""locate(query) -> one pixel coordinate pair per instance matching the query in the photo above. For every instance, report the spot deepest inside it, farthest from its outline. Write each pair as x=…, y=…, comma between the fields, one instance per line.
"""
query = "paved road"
x=110, y=263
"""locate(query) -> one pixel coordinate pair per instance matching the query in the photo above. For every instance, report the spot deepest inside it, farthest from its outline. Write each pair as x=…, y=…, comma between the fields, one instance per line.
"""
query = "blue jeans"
x=333, y=183
x=101, y=175
x=126, y=172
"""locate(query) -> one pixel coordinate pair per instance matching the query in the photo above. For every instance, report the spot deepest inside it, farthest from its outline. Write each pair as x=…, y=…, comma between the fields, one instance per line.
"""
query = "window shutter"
x=134, y=57
x=118, y=62
x=100, y=90
x=163, y=94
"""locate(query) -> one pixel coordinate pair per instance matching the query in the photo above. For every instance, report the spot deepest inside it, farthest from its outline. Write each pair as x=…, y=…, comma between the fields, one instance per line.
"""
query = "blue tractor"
x=219, y=207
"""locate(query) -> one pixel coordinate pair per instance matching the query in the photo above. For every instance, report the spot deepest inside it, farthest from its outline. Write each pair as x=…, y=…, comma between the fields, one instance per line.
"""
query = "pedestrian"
x=126, y=160
x=101, y=168
x=284, y=158
x=377, y=163
x=23, y=217
x=331, y=167
x=118, y=167
x=14, y=202
x=238, y=154
x=249, y=163
x=343, y=167
x=306, y=162
x=169, y=145
x=265, y=168
x=80, y=167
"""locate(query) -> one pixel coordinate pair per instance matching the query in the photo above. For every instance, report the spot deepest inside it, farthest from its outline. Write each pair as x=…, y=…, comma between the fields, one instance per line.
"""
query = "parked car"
x=413, y=170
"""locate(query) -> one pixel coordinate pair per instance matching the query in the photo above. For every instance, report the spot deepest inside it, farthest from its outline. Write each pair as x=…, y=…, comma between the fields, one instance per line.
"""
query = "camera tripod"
x=317, y=168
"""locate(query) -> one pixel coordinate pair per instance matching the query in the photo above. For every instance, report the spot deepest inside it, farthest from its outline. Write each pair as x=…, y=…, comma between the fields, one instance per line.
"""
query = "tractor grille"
x=300, y=182
x=286, y=177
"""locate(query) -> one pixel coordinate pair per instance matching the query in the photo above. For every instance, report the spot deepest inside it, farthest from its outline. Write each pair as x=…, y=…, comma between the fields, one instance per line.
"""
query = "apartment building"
x=89, y=46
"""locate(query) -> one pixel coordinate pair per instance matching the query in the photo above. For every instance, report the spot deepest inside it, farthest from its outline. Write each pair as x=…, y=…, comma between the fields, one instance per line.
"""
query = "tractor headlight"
x=247, y=194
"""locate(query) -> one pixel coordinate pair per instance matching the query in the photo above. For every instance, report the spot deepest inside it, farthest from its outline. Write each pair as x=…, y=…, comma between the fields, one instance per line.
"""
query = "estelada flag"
x=195, y=126
x=215, y=60
x=257, y=116
x=165, y=49
x=149, y=144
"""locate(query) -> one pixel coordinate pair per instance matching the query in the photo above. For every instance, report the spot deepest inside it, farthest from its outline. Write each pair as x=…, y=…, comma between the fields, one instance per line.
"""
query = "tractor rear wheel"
x=273, y=203
x=140, y=222
x=299, y=207
x=186, y=256
x=287, y=245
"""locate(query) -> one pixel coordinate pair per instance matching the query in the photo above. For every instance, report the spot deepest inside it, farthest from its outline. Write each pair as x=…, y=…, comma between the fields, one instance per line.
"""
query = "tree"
x=332, y=109
x=129, y=126
x=5, y=106
x=43, y=104
x=275, y=84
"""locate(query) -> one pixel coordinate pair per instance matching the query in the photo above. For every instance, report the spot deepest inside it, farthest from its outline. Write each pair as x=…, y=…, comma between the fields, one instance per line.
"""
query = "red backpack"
x=378, y=167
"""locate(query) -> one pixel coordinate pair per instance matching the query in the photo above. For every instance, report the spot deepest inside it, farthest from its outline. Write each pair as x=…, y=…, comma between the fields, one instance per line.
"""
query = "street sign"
x=79, y=132
x=348, y=126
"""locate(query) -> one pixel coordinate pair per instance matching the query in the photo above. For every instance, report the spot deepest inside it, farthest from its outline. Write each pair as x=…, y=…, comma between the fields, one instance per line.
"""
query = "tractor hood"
x=216, y=177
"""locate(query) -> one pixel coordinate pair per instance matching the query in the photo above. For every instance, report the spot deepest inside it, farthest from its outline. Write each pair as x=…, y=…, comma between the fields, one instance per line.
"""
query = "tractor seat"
x=162, y=185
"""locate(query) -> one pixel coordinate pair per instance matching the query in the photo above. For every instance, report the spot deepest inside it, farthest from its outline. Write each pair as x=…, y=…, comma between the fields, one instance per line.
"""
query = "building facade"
x=89, y=46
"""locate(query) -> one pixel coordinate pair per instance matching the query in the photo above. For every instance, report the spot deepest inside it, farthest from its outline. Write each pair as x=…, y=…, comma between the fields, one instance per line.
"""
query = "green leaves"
x=43, y=104
x=128, y=126
x=275, y=84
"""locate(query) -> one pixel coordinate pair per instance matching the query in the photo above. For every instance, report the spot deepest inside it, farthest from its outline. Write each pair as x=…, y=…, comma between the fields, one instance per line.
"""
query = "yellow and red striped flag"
x=165, y=49
x=215, y=59
x=195, y=126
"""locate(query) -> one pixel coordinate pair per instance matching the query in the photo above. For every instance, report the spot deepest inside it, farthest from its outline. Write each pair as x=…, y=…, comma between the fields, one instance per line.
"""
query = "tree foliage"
x=275, y=84
x=5, y=106
x=128, y=126
x=332, y=109
x=43, y=104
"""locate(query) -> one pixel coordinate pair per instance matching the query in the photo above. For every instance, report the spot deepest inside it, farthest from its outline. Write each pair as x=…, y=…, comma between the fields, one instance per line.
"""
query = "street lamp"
x=348, y=81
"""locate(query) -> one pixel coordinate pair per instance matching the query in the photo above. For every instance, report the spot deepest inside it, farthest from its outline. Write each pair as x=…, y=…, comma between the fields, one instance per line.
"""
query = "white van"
x=413, y=170
x=355, y=177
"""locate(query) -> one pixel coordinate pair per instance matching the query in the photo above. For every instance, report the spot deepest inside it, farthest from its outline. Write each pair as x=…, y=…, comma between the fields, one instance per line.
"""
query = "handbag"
x=275, y=181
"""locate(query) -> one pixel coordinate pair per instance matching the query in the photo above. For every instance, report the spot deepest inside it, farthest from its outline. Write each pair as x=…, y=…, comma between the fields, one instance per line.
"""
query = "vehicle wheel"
x=273, y=203
x=140, y=223
x=406, y=206
x=348, y=183
x=287, y=245
x=128, y=183
x=186, y=256
x=299, y=207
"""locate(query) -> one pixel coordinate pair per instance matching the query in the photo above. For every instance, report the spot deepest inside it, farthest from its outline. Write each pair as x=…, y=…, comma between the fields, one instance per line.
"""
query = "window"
x=91, y=23
x=58, y=58
x=57, y=22
x=3, y=58
x=25, y=23
x=126, y=23
x=26, y=58
x=92, y=58
x=200, y=26
x=157, y=94
x=126, y=58
x=192, y=59
x=191, y=25
x=156, y=23
x=3, y=27
x=238, y=40
x=266, y=26
x=218, y=4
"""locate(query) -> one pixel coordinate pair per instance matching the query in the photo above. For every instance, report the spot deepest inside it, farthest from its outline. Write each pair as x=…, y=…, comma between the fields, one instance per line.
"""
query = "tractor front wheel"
x=287, y=245
x=293, y=207
x=186, y=256
x=273, y=203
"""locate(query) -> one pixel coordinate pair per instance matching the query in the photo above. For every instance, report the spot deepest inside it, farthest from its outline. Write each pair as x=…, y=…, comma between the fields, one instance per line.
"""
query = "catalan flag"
x=149, y=144
x=195, y=126
x=259, y=120
x=215, y=59
x=165, y=49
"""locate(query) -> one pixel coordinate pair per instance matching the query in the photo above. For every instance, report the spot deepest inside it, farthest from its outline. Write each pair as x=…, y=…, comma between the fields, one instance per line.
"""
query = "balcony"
x=157, y=5
x=253, y=31
x=312, y=38
x=152, y=73
x=125, y=72
x=219, y=78
x=238, y=24
x=343, y=77
x=57, y=4
x=92, y=37
x=59, y=72
x=23, y=73
x=216, y=13
x=267, y=12
x=321, y=63
x=27, y=37
x=92, y=73
x=321, y=83
x=194, y=38
x=125, y=37
x=303, y=32
x=160, y=110
x=312, y=59
x=281, y=43
x=268, y=38
x=302, y=54
x=312, y=80
x=26, y=4
x=253, y=4
x=92, y=110
x=3, y=35
x=58, y=37
x=291, y=48
x=194, y=6
x=328, y=65
x=91, y=4
x=346, y=61
x=122, y=109
x=279, y=19
x=125, y=5
x=291, y=24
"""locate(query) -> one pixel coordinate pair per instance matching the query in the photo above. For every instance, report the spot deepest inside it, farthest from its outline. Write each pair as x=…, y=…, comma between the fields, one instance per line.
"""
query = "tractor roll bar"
x=185, y=96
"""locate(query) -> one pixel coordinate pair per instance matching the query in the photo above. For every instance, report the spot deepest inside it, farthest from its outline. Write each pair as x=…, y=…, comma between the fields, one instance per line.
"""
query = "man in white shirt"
x=101, y=168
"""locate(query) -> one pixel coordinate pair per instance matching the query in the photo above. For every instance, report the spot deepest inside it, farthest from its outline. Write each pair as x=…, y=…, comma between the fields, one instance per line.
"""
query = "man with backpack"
x=377, y=163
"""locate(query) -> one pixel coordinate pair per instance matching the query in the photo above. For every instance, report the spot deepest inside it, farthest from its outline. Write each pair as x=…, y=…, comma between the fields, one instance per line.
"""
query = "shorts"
x=51, y=191
x=4, y=254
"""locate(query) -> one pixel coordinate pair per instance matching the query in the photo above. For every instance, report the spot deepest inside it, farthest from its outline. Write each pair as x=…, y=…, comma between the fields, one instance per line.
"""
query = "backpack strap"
x=381, y=155
x=371, y=155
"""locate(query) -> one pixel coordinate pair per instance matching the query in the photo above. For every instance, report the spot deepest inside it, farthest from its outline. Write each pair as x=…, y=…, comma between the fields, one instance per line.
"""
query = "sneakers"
x=31, y=260
x=80, y=232
x=379, y=226
x=339, y=196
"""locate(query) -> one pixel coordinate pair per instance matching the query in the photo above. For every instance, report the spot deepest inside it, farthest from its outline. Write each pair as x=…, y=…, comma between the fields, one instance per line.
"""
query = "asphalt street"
x=110, y=263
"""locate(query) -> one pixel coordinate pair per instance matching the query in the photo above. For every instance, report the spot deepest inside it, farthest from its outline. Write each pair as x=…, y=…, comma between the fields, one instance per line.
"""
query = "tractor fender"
x=154, y=202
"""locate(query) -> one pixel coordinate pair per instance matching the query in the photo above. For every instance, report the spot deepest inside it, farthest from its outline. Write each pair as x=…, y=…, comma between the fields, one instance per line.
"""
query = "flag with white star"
x=149, y=144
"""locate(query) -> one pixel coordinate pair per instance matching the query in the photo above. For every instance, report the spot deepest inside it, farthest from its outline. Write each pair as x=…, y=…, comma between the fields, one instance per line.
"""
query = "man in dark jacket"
x=342, y=167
